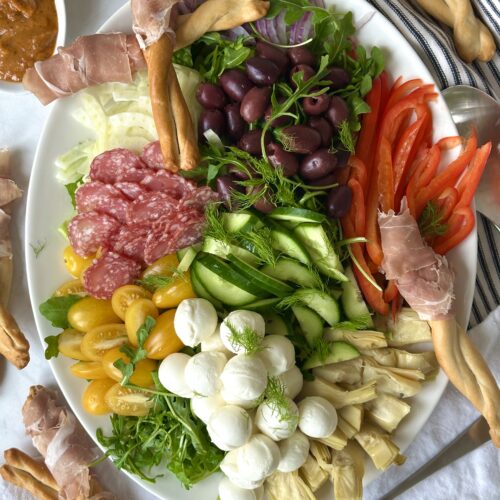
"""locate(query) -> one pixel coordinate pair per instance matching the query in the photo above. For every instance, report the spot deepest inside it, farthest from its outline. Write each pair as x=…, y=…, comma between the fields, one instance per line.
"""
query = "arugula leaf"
x=71, y=189
x=56, y=309
x=430, y=221
x=183, y=57
x=52, y=349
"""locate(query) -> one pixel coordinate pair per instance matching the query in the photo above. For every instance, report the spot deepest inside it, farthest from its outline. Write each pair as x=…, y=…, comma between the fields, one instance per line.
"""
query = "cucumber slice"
x=259, y=279
x=239, y=221
x=339, y=351
x=187, y=259
x=296, y=215
x=180, y=253
x=202, y=292
x=314, y=238
x=217, y=247
x=284, y=241
x=263, y=304
x=354, y=306
x=291, y=270
x=310, y=323
x=276, y=325
x=320, y=302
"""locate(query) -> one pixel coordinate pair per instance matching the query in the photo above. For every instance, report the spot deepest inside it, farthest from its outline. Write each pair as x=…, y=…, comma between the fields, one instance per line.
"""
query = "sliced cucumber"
x=284, y=241
x=263, y=304
x=297, y=215
x=237, y=222
x=335, y=292
x=291, y=270
x=259, y=279
x=182, y=252
x=202, y=292
x=276, y=325
x=320, y=302
x=217, y=247
x=314, y=238
x=187, y=259
x=310, y=323
x=338, y=351
x=354, y=306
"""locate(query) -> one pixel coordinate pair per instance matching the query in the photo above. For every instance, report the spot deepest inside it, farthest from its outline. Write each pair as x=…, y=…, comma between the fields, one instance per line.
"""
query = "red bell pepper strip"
x=450, y=142
x=446, y=202
x=399, y=90
x=357, y=211
x=460, y=225
x=385, y=178
x=373, y=246
x=359, y=172
x=391, y=291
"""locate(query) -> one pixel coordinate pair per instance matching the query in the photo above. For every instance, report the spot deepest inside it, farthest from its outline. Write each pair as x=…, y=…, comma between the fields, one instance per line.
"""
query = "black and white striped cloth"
x=434, y=43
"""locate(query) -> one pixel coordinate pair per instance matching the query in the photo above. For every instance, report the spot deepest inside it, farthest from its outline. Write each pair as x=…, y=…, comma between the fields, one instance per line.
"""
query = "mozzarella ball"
x=278, y=354
x=244, y=377
x=317, y=417
x=294, y=452
x=253, y=462
x=195, y=320
x=292, y=380
x=277, y=423
x=239, y=320
x=230, y=491
x=214, y=343
x=229, y=427
x=231, y=399
x=171, y=374
x=203, y=407
x=203, y=371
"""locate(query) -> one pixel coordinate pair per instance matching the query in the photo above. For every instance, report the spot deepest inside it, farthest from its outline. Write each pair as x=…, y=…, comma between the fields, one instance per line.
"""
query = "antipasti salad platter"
x=257, y=298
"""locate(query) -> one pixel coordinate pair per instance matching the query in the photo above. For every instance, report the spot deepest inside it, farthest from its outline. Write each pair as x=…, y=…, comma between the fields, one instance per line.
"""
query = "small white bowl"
x=17, y=88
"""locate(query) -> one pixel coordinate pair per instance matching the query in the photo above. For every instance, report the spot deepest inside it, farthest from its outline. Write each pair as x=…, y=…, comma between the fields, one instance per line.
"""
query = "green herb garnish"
x=38, y=247
x=56, y=309
x=360, y=323
x=247, y=338
x=430, y=221
x=52, y=349
x=275, y=398
x=71, y=189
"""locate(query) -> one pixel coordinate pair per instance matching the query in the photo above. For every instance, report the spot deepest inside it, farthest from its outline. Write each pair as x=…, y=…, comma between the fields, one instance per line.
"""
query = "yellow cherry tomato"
x=89, y=313
x=162, y=339
x=136, y=314
x=124, y=296
x=89, y=370
x=164, y=266
x=174, y=293
x=74, y=263
x=70, y=344
x=94, y=396
x=71, y=287
x=128, y=402
x=142, y=372
x=101, y=339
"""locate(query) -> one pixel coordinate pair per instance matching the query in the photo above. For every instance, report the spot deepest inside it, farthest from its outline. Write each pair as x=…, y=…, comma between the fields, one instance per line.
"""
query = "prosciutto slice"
x=423, y=278
x=89, y=60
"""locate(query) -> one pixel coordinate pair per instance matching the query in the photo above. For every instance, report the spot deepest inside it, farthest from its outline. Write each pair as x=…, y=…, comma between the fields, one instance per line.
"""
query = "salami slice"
x=169, y=183
x=150, y=207
x=89, y=231
x=152, y=156
x=116, y=165
x=131, y=240
x=103, y=198
x=199, y=198
x=131, y=190
x=108, y=273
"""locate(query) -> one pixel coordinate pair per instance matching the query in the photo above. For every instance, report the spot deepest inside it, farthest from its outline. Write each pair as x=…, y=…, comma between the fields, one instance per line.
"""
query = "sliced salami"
x=89, y=231
x=149, y=207
x=131, y=190
x=131, y=241
x=152, y=156
x=103, y=198
x=116, y=165
x=199, y=198
x=108, y=273
x=169, y=183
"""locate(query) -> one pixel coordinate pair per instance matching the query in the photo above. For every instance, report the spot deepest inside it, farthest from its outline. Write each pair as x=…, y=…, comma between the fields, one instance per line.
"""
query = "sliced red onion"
x=236, y=32
x=279, y=23
x=261, y=26
x=303, y=29
x=293, y=34
x=271, y=30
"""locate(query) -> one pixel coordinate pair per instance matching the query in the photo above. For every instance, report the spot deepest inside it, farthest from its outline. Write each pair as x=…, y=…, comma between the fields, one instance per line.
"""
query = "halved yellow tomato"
x=71, y=287
x=174, y=293
x=70, y=344
x=142, y=372
x=128, y=402
x=124, y=296
x=101, y=339
x=75, y=264
x=89, y=313
x=89, y=370
x=164, y=266
x=94, y=396
x=136, y=314
x=162, y=339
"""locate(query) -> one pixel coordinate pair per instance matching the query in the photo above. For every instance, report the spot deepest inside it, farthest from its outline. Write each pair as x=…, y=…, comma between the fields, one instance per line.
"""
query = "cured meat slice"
x=199, y=198
x=150, y=207
x=131, y=240
x=169, y=183
x=103, y=198
x=117, y=165
x=152, y=156
x=89, y=231
x=108, y=273
x=131, y=190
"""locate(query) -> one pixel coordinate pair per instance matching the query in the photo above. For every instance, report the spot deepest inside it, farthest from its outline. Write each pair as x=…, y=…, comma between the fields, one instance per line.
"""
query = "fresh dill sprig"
x=345, y=136
x=247, y=338
x=275, y=398
x=155, y=281
x=360, y=323
x=321, y=349
x=430, y=222
x=38, y=247
x=260, y=240
x=214, y=226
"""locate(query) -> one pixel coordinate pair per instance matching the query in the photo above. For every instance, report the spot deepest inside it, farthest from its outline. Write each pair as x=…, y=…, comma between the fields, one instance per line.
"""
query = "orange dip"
x=28, y=32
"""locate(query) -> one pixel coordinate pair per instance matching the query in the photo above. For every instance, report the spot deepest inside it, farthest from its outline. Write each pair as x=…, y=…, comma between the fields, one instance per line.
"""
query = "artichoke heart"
x=408, y=328
x=288, y=485
x=347, y=472
x=387, y=411
x=366, y=339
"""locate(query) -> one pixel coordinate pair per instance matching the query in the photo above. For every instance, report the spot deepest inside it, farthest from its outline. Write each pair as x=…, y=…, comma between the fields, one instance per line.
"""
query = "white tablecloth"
x=21, y=119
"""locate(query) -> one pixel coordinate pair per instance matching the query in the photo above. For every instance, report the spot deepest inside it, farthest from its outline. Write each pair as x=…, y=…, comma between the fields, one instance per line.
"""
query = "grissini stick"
x=26, y=481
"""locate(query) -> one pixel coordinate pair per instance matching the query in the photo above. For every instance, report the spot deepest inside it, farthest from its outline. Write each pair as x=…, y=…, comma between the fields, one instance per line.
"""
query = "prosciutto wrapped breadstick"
x=425, y=281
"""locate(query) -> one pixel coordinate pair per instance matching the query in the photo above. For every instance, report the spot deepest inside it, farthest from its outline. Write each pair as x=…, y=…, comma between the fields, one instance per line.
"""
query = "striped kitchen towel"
x=433, y=42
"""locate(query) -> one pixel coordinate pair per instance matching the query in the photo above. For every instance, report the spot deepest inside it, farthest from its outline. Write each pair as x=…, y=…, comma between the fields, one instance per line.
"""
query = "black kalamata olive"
x=325, y=181
x=342, y=158
x=338, y=202
x=322, y=125
x=301, y=139
x=211, y=119
x=225, y=185
x=279, y=158
x=250, y=142
x=301, y=55
x=306, y=70
x=235, y=84
x=281, y=121
x=316, y=105
x=318, y=164
x=236, y=126
x=254, y=104
x=262, y=71
x=263, y=204
x=274, y=54
x=339, y=77
x=338, y=111
x=210, y=96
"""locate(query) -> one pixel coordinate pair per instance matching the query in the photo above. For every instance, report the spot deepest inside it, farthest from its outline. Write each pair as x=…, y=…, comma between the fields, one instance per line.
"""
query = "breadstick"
x=467, y=371
x=6, y=267
x=13, y=344
x=465, y=29
x=27, y=482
